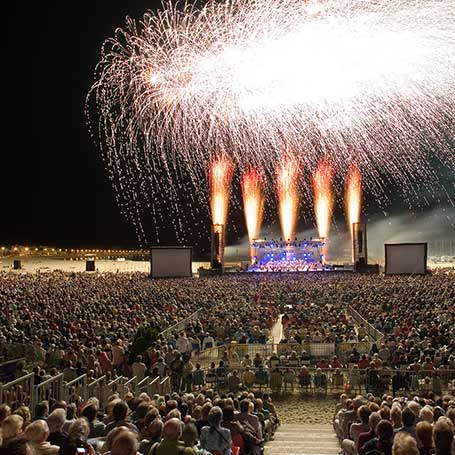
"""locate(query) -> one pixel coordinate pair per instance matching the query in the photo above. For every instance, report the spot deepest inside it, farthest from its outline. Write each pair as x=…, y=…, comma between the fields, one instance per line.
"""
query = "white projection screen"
x=171, y=262
x=405, y=258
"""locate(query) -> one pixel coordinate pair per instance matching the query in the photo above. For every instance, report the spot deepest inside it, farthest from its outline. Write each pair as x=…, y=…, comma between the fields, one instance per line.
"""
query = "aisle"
x=292, y=439
x=277, y=332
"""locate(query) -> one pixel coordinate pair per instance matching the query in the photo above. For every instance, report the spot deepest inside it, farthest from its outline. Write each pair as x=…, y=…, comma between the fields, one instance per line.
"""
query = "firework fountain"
x=221, y=170
x=323, y=199
x=288, y=195
x=220, y=177
x=369, y=78
x=353, y=197
x=253, y=203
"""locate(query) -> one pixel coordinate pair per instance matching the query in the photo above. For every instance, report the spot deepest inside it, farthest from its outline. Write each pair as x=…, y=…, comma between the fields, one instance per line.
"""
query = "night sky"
x=55, y=188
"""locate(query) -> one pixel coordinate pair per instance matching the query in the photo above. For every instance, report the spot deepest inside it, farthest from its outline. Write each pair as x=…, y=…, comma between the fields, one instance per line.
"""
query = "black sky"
x=55, y=189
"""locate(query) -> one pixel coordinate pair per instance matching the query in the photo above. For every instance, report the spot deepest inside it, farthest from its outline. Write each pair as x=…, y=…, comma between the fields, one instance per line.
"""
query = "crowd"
x=325, y=322
x=386, y=425
x=416, y=316
x=191, y=424
x=86, y=322
x=89, y=320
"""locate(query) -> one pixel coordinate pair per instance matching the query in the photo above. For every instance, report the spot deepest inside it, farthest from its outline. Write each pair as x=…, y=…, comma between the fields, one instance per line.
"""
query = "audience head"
x=37, y=431
x=56, y=420
x=404, y=444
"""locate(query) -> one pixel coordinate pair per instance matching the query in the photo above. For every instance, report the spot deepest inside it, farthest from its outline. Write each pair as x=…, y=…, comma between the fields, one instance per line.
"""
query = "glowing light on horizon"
x=288, y=195
x=253, y=202
x=220, y=176
x=323, y=197
x=353, y=197
x=376, y=77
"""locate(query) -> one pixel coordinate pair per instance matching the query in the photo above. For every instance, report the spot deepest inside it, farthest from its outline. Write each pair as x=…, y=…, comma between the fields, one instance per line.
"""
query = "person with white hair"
x=426, y=414
x=11, y=427
x=37, y=433
x=125, y=444
x=56, y=421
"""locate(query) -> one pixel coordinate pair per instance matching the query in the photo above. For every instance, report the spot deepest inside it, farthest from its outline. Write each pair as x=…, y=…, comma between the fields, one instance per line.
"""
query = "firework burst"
x=369, y=78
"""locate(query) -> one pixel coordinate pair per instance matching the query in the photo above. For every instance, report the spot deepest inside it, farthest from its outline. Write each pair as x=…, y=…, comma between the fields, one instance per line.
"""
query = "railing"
x=236, y=351
x=142, y=385
x=130, y=385
x=51, y=389
x=181, y=325
x=153, y=387
x=76, y=390
x=284, y=378
x=165, y=386
x=372, y=331
x=113, y=387
x=344, y=349
x=96, y=388
x=18, y=392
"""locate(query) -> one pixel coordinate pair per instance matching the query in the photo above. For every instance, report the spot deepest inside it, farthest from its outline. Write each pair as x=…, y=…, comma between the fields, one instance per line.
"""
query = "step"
x=303, y=439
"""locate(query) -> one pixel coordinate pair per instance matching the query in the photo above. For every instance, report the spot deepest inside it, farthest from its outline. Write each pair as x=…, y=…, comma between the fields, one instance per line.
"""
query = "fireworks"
x=353, y=197
x=221, y=171
x=323, y=197
x=372, y=80
x=288, y=195
x=253, y=202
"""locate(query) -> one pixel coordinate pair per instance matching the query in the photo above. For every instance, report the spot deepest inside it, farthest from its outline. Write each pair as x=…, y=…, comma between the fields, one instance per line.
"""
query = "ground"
x=304, y=410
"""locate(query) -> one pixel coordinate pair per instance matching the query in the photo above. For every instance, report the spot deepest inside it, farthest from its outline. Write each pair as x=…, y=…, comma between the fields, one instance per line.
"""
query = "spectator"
x=77, y=438
x=171, y=443
x=12, y=426
x=42, y=410
x=56, y=421
x=97, y=428
x=214, y=438
x=383, y=442
x=119, y=415
x=15, y=446
x=443, y=436
x=409, y=425
x=404, y=444
x=37, y=434
x=424, y=432
x=125, y=444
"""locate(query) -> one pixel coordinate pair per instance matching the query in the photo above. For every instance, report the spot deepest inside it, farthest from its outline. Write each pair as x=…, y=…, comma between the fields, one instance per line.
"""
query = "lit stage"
x=291, y=256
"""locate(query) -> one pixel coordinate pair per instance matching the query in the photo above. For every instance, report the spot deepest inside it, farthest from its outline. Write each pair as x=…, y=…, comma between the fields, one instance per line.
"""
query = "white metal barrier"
x=17, y=392
x=51, y=389
x=76, y=389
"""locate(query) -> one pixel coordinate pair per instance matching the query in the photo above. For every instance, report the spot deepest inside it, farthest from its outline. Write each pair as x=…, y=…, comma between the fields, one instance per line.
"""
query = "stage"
x=278, y=256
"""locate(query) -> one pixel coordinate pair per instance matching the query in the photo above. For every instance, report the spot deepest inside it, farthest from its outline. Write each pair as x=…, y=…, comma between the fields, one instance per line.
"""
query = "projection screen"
x=405, y=258
x=170, y=262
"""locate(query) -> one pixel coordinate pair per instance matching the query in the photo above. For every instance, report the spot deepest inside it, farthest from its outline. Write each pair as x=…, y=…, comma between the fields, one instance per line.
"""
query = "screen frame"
x=190, y=269
x=425, y=259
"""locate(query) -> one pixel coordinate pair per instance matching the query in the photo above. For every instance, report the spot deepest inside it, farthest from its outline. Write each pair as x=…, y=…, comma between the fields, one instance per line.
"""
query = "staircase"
x=295, y=439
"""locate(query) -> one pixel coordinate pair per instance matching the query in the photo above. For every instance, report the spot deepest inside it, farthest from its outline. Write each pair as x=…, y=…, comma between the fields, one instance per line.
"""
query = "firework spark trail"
x=221, y=170
x=353, y=197
x=323, y=199
x=288, y=195
x=253, y=202
x=328, y=78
